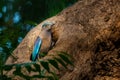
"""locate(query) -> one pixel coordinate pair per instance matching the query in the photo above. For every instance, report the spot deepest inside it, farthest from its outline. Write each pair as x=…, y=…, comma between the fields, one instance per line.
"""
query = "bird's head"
x=47, y=26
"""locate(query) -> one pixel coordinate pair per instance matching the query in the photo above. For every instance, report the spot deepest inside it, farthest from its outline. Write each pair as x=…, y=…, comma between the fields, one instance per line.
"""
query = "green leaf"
x=18, y=70
x=43, y=54
x=64, y=53
x=37, y=66
x=45, y=65
x=50, y=78
x=38, y=76
x=19, y=73
x=2, y=58
x=61, y=62
x=28, y=67
x=42, y=72
x=54, y=63
x=7, y=67
x=55, y=76
x=65, y=58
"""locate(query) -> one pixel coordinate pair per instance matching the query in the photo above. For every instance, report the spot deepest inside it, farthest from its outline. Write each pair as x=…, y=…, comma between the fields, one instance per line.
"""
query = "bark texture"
x=90, y=32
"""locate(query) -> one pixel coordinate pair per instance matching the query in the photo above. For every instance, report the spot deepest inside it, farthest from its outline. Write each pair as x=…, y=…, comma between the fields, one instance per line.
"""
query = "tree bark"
x=89, y=30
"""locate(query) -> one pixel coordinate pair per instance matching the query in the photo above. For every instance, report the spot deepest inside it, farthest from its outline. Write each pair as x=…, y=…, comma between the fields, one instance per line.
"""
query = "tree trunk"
x=90, y=32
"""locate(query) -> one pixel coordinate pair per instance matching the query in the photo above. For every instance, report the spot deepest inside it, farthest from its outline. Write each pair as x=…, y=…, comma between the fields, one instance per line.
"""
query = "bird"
x=43, y=42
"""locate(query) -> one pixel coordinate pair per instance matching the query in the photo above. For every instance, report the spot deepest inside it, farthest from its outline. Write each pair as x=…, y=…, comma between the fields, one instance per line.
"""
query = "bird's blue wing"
x=36, y=49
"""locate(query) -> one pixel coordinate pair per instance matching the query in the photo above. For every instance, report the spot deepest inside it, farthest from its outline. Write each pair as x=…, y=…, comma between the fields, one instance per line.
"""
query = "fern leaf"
x=54, y=63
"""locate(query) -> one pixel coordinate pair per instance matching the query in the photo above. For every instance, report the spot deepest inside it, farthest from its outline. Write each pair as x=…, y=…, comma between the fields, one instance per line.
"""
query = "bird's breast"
x=46, y=42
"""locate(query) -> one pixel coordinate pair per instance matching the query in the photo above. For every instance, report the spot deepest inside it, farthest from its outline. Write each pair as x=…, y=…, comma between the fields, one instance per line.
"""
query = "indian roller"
x=43, y=41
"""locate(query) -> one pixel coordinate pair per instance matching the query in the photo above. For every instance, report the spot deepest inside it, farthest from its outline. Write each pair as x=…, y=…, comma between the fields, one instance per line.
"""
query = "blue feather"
x=36, y=49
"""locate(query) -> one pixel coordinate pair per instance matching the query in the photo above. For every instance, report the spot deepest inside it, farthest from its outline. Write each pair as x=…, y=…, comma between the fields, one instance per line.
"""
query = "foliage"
x=40, y=66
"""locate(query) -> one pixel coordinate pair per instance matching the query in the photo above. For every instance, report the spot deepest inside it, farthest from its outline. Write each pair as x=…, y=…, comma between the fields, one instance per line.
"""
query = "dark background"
x=17, y=17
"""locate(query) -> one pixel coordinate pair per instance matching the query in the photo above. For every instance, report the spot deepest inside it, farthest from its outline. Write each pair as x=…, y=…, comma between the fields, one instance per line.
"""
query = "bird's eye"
x=43, y=26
